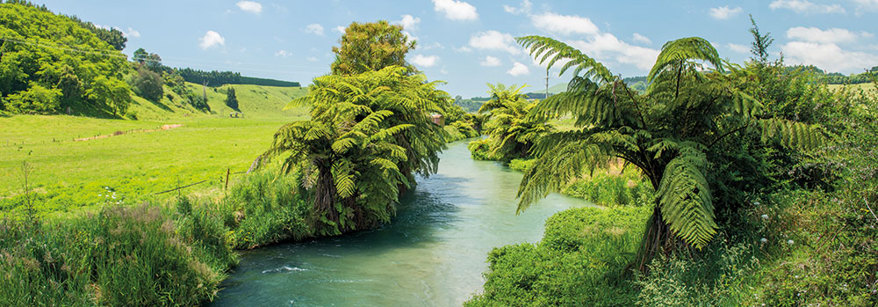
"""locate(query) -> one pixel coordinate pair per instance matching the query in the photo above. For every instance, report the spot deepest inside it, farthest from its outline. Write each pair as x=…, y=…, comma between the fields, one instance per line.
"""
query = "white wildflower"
x=765, y=216
x=790, y=242
x=763, y=240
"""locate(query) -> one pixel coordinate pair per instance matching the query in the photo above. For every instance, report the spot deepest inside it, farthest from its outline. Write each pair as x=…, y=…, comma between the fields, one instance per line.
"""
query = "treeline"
x=835, y=78
x=216, y=78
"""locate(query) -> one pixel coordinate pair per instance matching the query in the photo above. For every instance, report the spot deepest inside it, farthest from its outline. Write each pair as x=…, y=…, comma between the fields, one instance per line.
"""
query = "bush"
x=521, y=165
x=582, y=259
x=481, y=150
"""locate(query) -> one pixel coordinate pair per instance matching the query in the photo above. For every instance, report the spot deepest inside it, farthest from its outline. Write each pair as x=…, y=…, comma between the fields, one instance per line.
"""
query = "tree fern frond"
x=790, y=134
x=683, y=50
x=685, y=198
x=539, y=46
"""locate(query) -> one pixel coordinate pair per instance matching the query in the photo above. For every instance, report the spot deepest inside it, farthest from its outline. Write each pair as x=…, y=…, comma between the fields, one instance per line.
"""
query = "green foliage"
x=371, y=47
x=581, y=258
x=719, y=279
x=266, y=208
x=669, y=133
x=368, y=135
x=36, y=99
x=110, y=92
x=148, y=84
x=232, y=99
x=482, y=150
x=122, y=256
x=511, y=132
x=627, y=188
x=51, y=62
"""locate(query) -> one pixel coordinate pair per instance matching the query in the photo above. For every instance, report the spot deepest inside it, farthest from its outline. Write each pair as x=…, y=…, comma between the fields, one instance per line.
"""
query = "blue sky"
x=470, y=42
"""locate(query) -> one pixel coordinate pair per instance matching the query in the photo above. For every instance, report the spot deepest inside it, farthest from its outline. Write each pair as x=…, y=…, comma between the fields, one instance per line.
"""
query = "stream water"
x=433, y=254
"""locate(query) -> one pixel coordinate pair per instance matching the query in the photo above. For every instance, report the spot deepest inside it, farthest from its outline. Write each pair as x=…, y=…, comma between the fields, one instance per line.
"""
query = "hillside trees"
x=688, y=122
x=50, y=63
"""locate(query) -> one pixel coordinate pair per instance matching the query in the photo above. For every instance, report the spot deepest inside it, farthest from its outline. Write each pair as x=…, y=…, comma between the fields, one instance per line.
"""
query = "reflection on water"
x=432, y=254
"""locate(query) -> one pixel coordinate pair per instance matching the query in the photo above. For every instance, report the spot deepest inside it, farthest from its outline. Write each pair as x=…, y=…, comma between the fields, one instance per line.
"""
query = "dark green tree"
x=232, y=99
x=148, y=84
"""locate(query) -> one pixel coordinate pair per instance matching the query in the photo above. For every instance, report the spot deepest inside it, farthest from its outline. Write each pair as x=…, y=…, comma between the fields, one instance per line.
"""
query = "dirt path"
x=163, y=127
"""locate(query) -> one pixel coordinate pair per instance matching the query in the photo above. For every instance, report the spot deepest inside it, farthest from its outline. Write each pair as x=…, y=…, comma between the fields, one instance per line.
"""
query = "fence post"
x=228, y=170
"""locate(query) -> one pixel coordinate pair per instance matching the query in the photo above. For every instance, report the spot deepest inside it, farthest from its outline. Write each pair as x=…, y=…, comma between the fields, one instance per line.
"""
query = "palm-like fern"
x=667, y=132
x=512, y=133
x=367, y=135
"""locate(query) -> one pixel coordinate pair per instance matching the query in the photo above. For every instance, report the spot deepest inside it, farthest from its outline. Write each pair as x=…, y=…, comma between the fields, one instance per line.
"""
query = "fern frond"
x=685, y=198
x=790, y=134
x=684, y=50
x=553, y=50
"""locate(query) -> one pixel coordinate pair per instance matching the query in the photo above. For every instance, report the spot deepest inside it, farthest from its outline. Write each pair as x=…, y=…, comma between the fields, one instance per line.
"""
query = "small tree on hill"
x=232, y=99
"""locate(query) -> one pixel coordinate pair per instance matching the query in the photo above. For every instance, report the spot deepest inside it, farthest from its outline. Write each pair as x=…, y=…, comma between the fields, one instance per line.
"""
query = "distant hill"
x=216, y=78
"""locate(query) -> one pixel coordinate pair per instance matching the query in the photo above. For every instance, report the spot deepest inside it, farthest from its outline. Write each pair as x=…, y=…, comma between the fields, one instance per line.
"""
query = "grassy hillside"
x=68, y=175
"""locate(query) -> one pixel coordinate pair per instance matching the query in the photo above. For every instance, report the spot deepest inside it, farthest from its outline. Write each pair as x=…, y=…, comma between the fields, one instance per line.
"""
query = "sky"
x=469, y=43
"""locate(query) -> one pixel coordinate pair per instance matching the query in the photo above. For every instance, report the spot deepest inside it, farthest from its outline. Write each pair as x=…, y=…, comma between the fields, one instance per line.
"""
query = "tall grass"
x=122, y=256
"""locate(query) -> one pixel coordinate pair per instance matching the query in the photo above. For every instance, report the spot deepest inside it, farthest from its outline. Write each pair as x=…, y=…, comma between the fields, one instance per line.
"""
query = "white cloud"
x=805, y=6
x=250, y=6
x=564, y=24
x=283, y=53
x=518, y=69
x=724, y=12
x=312, y=59
x=607, y=46
x=739, y=48
x=434, y=45
x=315, y=29
x=493, y=40
x=455, y=9
x=641, y=39
x=339, y=29
x=490, y=61
x=828, y=56
x=866, y=4
x=462, y=49
x=833, y=35
x=211, y=39
x=131, y=33
x=524, y=9
x=425, y=61
x=409, y=22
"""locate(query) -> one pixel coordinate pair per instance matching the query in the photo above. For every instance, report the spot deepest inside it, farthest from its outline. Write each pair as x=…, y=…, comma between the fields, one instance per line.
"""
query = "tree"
x=371, y=47
x=148, y=84
x=112, y=93
x=232, y=99
x=140, y=55
x=759, y=47
x=367, y=135
x=670, y=133
x=512, y=133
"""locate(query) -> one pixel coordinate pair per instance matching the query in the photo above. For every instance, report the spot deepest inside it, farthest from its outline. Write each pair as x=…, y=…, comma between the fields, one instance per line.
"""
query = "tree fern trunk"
x=324, y=196
x=657, y=239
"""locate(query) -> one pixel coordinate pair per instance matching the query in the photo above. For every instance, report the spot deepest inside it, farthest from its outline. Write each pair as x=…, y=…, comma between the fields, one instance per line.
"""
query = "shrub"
x=581, y=260
x=521, y=165
x=36, y=99
x=148, y=84
x=481, y=150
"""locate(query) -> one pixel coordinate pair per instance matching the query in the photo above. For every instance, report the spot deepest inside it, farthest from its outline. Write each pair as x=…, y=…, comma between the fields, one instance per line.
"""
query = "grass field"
x=73, y=176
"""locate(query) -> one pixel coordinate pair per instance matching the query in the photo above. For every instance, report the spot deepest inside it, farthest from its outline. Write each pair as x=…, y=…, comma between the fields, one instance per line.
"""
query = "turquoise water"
x=433, y=254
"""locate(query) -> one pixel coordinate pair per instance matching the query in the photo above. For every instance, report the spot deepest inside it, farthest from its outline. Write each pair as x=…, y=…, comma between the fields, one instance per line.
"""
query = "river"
x=433, y=254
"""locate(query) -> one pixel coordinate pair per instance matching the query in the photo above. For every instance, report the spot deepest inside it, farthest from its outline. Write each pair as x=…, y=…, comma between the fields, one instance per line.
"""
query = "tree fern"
x=667, y=133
